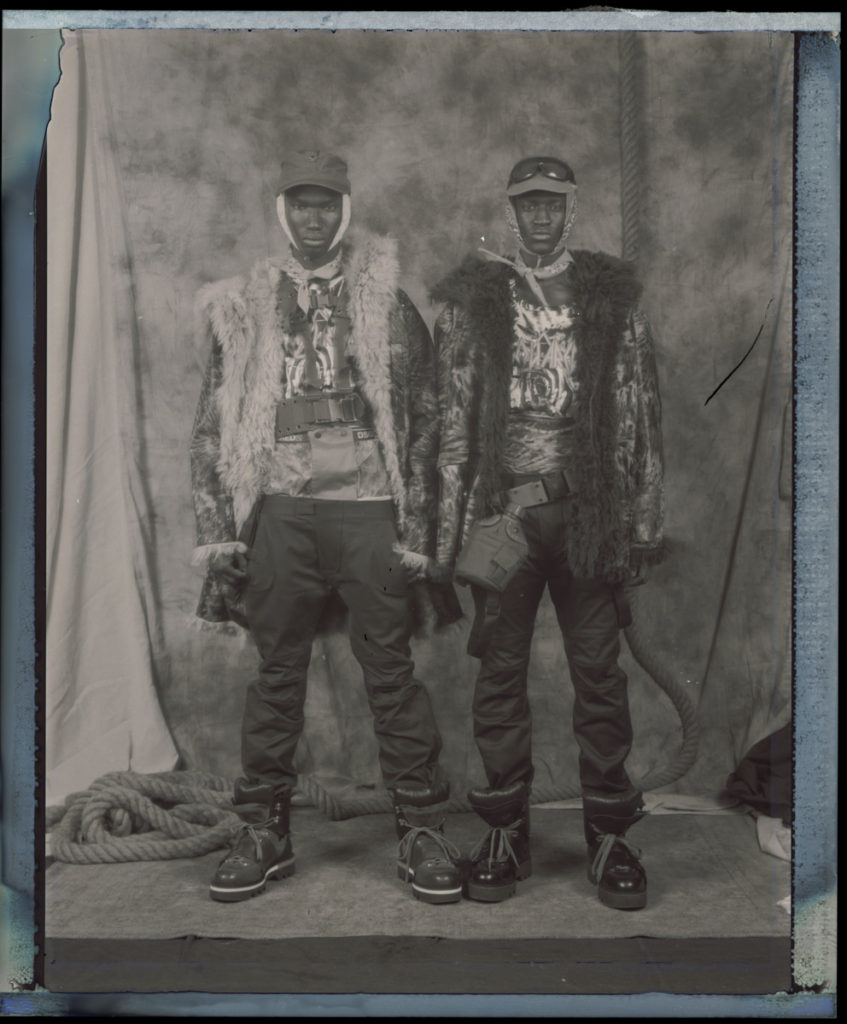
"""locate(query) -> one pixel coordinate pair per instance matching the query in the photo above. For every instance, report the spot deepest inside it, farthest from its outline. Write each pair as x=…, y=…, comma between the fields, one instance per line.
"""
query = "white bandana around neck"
x=532, y=274
x=330, y=271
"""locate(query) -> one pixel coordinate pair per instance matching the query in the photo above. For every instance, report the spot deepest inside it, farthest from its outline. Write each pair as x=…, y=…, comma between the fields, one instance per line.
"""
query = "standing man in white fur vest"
x=314, y=474
x=550, y=403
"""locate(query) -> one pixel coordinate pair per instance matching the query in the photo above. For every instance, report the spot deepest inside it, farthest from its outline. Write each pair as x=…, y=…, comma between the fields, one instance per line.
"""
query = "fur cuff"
x=417, y=564
x=232, y=629
x=648, y=554
x=202, y=555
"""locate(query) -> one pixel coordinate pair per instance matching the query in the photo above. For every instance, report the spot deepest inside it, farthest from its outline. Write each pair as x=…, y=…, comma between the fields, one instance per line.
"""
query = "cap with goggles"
x=540, y=173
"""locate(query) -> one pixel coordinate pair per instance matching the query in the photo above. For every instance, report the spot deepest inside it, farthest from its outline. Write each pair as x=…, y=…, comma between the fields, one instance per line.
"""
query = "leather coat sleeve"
x=212, y=505
x=648, y=466
x=454, y=411
x=421, y=418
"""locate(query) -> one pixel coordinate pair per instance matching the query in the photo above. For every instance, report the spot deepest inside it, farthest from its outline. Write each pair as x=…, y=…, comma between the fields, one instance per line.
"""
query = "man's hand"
x=230, y=567
x=637, y=567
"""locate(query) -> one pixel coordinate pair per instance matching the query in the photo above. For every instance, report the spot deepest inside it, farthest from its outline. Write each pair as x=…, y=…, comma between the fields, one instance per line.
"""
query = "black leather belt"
x=303, y=412
x=538, y=490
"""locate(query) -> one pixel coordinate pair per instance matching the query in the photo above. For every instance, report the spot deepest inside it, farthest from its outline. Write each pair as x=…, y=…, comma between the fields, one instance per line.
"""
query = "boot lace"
x=499, y=840
x=449, y=850
x=598, y=865
x=241, y=838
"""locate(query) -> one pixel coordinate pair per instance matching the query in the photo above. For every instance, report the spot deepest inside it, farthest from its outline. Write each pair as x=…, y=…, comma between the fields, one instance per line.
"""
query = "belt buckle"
x=356, y=406
x=316, y=410
x=533, y=492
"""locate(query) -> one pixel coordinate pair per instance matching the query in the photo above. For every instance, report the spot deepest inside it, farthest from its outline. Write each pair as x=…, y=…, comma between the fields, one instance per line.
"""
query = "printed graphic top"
x=340, y=461
x=544, y=395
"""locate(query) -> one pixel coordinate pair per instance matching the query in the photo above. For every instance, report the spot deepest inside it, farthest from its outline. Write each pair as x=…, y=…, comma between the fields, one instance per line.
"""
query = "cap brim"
x=333, y=184
x=540, y=183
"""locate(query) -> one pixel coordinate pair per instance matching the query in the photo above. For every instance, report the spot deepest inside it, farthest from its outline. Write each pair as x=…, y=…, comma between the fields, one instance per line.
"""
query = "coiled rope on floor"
x=130, y=816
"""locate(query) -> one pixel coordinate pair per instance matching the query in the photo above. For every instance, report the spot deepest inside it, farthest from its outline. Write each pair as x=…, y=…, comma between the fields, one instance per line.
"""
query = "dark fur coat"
x=618, y=504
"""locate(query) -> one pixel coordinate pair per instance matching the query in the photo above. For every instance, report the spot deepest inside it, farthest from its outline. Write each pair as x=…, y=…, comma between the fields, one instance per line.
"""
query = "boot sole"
x=428, y=895
x=623, y=901
x=437, y=895
x=491, y=893
x=244, y=892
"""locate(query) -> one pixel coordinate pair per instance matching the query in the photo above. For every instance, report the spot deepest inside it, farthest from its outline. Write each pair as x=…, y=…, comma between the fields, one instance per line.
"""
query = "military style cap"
x=312, y=167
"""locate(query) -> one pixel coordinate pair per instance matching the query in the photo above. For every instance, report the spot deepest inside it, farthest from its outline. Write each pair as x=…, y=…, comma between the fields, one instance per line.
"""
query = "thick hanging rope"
x=633, y=173
x=649, y=658
x=632, y=144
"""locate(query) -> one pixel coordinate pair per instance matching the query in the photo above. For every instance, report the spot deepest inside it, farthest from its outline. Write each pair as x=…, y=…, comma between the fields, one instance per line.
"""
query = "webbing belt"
x=303, y=412
x=539, y=491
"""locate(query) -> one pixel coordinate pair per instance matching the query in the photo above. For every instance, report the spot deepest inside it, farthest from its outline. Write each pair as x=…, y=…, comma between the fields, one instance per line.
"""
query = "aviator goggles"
x=540, y=172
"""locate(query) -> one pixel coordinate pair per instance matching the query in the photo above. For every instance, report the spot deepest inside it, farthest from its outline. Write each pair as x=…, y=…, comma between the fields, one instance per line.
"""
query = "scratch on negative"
x=747, y=353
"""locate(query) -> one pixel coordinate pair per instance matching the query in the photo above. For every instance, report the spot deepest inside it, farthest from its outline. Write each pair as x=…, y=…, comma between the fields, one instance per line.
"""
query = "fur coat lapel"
x=605, y=290
x=250, y=323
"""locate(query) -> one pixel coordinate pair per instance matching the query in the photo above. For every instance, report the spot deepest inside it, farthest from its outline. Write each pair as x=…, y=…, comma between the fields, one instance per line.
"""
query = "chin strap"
x=532, y=274
x=330, y=272
x=292, y=264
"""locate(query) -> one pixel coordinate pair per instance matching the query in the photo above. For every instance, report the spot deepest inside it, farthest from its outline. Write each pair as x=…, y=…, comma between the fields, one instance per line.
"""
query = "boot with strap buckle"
x=502, y=857
x=425, y=856
x=258, y=852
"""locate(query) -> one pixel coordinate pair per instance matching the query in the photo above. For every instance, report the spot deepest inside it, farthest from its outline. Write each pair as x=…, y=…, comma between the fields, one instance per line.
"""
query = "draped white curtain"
x=102, y=710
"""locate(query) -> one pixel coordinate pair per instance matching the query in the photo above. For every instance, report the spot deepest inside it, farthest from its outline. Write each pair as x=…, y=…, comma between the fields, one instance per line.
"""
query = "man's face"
x=541, y=220
x=314, y=215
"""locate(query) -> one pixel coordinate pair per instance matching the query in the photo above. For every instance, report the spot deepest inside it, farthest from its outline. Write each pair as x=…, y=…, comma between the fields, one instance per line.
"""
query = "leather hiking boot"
x=425, y=856
x=502, y=857
x=614, y=867
x=258, y=852
x=613, y=861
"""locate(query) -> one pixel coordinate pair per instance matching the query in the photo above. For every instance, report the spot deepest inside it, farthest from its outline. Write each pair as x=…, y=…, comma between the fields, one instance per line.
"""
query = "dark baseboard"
x=408, y=964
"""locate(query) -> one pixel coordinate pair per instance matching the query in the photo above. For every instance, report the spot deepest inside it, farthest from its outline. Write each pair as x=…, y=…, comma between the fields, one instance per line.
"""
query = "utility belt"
x=538, y=490
x=301, y=413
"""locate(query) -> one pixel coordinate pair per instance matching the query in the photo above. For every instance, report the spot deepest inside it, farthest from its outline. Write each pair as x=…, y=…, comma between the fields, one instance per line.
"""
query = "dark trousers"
x=303, y=550
x=588, y=615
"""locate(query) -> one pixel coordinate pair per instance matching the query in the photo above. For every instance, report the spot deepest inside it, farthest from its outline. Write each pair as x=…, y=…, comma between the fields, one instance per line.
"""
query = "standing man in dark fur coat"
x=549, y=401
x=314, y=471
